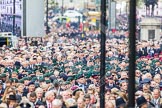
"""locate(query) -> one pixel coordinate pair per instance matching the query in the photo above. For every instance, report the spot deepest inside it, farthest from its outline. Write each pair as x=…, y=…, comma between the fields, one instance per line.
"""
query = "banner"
x=33, y=18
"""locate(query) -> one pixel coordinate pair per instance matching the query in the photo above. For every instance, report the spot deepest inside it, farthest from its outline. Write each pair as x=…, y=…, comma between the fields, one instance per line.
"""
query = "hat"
x=17, y=63
x=123, y=80
x=64, y=76
x=48, y=81
x=34, y=79
x=145, y=81
x=95, y=75
x=25, y=78
x=80, y=76
x=140, y=101
x=67, y=82
x=41, y=79
x=20, y=76
x=70, y=78
x=120, y=102
x=87, y=74
x=52, y=78
x=31, y=83
x=74, y=87
x=3, y=75
x=74, y=92
x=15, y=80
x=12, y=97
x=46, y=75
x=30, y=72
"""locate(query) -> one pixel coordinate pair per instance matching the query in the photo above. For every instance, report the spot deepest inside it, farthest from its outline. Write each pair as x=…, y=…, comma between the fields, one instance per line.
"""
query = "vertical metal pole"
x=109, y=18
x=102, y=57
x=47, y=27
x=13, y=28
x=132, y=53
x=62, y=7
x=126, y=8
x=24, y=32
x=87, y=5
x=83, y=29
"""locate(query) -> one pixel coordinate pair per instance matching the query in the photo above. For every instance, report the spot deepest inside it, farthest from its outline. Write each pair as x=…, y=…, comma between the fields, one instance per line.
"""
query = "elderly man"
x=49, y=97
x=123, y=86
x=80, y=103
x=157, y=100
x=66, y=95
x=39, y=94
x=57, y=103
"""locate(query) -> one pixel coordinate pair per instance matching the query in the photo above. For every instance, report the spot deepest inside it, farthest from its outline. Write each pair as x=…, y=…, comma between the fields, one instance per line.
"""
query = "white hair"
x=41, y=106
x=57, y=103
x=48, y=93
x=38, y=90
x=3, y=105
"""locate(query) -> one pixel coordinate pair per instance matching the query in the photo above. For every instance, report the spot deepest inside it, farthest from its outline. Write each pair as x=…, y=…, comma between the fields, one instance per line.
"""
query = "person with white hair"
x=3, y=105
x=39, y=94
x=41, y=106
x=49, y=97
x=57, y=103
x=66, y=95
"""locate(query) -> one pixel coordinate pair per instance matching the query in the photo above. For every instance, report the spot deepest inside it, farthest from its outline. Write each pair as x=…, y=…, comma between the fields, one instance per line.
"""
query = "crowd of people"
x=62, y=70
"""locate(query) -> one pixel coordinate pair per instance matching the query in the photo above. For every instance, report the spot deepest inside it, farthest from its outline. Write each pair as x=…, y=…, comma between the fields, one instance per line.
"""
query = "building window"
x=151, y=34
x=20, y=7
x=7, y=9
x=11, y=10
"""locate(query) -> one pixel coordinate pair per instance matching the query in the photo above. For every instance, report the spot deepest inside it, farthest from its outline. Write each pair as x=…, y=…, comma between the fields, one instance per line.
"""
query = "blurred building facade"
x=6, y=7
x=77, y=4
x=6, y=14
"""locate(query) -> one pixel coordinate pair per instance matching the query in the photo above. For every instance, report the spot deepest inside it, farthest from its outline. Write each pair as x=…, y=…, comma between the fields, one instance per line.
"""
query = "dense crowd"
x=62, y=70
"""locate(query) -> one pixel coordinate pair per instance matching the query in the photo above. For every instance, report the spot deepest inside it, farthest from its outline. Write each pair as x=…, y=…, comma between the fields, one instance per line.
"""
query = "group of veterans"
x=58, y=71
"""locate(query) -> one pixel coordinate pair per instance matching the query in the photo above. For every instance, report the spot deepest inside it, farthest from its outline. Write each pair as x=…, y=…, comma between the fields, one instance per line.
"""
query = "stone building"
x=6, y=13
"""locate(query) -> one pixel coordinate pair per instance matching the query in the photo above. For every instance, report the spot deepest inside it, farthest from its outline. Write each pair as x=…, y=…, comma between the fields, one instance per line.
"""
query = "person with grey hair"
x=156, y=99
x=41, y=106
x=3, y=105
x=57, y=103
x=49, y=97
x=39, y=94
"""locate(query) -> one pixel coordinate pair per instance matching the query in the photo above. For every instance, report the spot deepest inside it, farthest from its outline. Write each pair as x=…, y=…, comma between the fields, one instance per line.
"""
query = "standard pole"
x=13, y=28
x=102, y=57
x=47, y=27
x=62, y=7
x=132, y=53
